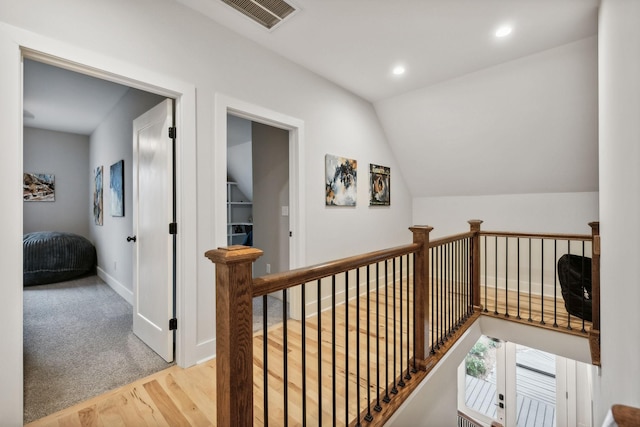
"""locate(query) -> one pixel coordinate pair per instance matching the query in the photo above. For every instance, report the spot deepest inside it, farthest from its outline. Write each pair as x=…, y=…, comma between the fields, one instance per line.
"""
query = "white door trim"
x=60, y=54
x=224, y=105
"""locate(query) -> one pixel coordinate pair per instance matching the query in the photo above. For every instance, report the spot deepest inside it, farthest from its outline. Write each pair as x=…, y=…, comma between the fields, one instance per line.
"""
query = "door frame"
x=43, y=49
x=297, y=243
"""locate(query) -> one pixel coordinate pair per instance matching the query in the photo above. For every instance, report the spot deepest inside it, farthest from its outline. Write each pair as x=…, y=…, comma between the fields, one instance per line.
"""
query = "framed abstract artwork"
x=341, y=179
x=379, y=185
x=97, y=196
x=116, y=184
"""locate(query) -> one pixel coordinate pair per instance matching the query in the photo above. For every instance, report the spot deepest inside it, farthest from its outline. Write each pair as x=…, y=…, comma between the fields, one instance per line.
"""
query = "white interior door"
x=153, y=291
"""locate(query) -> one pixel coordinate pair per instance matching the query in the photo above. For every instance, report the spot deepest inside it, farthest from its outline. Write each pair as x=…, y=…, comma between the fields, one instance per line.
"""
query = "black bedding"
x=53, y=256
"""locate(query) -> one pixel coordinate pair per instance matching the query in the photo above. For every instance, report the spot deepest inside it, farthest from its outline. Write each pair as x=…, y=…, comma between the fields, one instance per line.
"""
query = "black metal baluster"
x=555, y=283
x=394, y=389
x=506, y=277
x=358, y=346
x=304, y=354
x=265, y=361
x=467, y=289
x=542, y=282
x=441, y=328
x=569, y=314
x=518, y=293
x=433, y=302
x=319, y=314
x=333, y=348
x=286, y=357
x=285, y=339
x=408, y=328
x=346, y=346
x=401, y=382
x=447, y=289
x=368, y=417
x=582, y=288
x=413, y=259
x=486, y=285
x=456, y=283
x=386, y=398
x=378, y=408
x=530, y=319
x=495, y=303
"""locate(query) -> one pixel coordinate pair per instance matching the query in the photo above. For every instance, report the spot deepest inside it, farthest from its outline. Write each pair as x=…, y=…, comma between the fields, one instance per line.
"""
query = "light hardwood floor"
x=187, y=397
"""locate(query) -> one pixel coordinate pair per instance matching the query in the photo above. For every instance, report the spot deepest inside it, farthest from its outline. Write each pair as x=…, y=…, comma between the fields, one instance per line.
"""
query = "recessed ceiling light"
x=503, y=31
x=399, y=70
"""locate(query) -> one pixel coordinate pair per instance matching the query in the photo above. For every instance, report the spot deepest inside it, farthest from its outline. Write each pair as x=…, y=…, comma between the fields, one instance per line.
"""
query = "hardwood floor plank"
x=165, y=404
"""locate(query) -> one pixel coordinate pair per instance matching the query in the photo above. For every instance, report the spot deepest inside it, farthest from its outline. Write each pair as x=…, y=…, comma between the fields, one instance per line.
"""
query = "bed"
x=54, y=256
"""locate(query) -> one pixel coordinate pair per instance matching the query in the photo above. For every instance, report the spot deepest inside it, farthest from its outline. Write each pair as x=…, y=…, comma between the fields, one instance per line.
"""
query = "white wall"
x=132, y=38
x=525, y=126
x=112, y=141
x=66, y=155
x=542, y=213
x=619, y=65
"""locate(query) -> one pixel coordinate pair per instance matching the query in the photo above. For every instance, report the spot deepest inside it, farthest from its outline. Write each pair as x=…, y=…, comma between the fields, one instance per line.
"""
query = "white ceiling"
x=356, y=43
x=66, y=101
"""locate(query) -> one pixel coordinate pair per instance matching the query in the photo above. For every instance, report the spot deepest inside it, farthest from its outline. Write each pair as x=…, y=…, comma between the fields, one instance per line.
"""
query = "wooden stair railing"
x=235, y=290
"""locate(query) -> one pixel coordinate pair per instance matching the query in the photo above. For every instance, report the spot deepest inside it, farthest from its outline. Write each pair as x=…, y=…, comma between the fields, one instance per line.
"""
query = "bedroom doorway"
x=55, y=150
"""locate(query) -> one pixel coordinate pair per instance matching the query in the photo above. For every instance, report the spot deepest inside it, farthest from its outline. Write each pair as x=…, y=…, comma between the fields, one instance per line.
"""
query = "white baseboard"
x=205, y=351
x=120, y=289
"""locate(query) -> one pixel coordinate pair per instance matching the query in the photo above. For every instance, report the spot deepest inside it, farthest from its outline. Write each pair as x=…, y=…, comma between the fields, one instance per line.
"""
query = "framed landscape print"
x=379, y=185
x=341, y=181
x=38, y=187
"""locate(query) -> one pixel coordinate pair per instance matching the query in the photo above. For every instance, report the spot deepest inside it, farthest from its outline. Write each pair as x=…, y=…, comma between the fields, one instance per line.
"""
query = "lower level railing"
x=344, y=342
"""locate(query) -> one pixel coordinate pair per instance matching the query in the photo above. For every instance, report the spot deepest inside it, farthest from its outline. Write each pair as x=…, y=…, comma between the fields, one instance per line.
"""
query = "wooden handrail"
x=444, y=240
x=557, y=236
x=279, y=281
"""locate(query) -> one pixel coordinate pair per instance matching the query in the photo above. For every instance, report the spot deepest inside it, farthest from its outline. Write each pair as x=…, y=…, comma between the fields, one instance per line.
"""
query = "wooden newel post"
x=594, y=332
x=474, y=262
x=234, y=336
x=421, y=274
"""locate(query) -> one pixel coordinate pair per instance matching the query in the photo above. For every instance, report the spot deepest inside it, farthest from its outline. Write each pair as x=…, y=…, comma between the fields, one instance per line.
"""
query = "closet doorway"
x=258, y=191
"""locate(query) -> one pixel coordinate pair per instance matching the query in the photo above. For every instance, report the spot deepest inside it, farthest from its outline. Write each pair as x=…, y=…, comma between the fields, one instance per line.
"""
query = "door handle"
x=131, y=238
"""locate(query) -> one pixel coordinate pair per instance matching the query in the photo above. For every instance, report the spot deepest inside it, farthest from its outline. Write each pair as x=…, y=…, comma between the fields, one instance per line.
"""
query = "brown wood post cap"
x=421, y=228
x=233, y=254
x=475, y=224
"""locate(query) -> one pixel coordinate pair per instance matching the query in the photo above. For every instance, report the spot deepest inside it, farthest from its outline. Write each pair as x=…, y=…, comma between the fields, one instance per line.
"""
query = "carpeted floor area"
x=78, y=343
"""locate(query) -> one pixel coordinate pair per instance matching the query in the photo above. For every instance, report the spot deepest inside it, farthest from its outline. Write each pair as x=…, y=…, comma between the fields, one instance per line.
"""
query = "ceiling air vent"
x=267, y=13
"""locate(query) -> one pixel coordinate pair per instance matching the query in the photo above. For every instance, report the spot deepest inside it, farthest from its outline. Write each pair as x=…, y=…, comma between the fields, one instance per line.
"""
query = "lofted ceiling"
x=356, y=43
